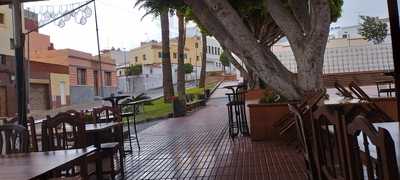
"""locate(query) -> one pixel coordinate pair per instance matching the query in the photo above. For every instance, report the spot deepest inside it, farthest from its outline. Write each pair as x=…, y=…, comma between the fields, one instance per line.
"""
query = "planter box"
x=262, y=118
x=254, y=94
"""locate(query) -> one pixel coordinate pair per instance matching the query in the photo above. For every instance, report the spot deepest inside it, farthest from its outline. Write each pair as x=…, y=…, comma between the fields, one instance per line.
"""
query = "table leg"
x=99, y=160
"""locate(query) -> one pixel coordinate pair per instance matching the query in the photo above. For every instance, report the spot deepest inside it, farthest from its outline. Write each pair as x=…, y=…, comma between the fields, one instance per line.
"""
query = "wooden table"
x=96, y=130
x=394, y=130
x=38, y=164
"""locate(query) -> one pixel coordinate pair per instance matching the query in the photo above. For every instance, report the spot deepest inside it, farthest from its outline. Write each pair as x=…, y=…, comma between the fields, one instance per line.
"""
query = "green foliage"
x=155, y=7
x=271, y=96
x=373, y=29
x=336, y=9
x=134, y=70
x=188, y=68
x=224, y=59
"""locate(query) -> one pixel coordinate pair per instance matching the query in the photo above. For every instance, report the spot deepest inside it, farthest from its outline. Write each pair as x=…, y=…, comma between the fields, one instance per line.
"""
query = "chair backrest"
x=13, y=139
x=343, y=90
x=328, y=147
x=33, y=142
x=106, y=114
x=359, y=92
x=381, y=115
x=304, y=138
x=372, y=152
x=63, y=131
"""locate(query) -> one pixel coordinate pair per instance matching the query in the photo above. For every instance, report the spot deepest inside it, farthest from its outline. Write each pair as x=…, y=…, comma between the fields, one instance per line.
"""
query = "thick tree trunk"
x=181, y=57
x=224, y=23
x=166, y=58
x=202, y=83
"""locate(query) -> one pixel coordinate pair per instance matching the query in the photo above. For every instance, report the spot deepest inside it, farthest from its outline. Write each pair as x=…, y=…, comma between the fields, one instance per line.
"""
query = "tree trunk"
x=202, y=83
x=224, y=23
x=181, y=56
x=166, y=58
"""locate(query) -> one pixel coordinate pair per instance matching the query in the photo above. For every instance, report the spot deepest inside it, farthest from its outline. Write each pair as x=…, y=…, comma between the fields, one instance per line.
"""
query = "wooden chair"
x=343, y=91
x=371, y=152
x=32, y=136
x=13, y=139
x=62, y=132
x=304, y=139
x=113, y=142
x=287, y=122
x=373, y=111
x=106, y=114
x=328, y=145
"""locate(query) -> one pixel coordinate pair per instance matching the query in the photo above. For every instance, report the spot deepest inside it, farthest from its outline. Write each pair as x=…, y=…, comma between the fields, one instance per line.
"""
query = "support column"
x=20, y=63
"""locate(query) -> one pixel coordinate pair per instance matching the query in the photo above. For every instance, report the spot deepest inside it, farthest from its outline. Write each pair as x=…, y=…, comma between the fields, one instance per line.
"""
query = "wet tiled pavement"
x=198, y=147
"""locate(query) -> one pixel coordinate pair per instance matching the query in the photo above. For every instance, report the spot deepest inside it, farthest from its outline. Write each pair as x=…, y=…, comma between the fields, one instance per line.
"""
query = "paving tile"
x=198, y=147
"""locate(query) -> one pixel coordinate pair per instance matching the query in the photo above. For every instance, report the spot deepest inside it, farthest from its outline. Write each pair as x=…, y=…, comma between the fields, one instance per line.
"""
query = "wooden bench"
x=385, y=87
x=192, y=102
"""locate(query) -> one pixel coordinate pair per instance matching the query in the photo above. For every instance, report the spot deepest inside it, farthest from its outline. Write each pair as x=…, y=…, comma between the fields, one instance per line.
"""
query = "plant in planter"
x=271, y=108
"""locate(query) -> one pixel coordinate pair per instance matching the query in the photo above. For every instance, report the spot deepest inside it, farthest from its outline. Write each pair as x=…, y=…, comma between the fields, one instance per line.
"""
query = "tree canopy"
x=134, y=70
x=225, y=61
x=373, y=29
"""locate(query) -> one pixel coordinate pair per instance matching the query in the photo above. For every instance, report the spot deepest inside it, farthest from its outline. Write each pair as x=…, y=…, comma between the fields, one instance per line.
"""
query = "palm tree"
x=202, y=82
x=181, y=55
x=162, y=8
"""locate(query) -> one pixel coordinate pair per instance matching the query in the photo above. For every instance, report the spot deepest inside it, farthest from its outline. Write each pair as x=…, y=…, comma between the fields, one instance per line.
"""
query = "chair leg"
x=112, y=167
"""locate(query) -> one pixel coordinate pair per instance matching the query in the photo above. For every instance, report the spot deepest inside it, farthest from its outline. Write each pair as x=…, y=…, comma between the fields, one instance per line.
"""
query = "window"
x=218, y=50
x=12, y=46
x=185, y=56
x=107, y=78
x=174, y=55
x=197, y=58
x=136, y=59
x=1, y=18
x=209, y=49
x=144, y=57
x=81, y=75
x=196, y=45
x=3, y=59
x=159, y=55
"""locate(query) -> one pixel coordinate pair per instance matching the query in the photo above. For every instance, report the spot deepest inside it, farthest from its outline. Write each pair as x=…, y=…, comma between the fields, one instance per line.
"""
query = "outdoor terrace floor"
x=198, y=147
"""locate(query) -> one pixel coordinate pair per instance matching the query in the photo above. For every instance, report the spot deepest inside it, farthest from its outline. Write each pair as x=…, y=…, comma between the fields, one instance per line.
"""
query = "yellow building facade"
x=150, y=52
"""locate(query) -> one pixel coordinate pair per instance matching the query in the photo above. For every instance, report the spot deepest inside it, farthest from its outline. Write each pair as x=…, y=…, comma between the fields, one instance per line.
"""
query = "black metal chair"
x=236, y=106
x=129, y=111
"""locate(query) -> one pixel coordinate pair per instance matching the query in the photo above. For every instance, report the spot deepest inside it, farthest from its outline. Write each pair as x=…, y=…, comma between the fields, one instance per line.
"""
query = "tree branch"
x=284, y=18
x=225, y=24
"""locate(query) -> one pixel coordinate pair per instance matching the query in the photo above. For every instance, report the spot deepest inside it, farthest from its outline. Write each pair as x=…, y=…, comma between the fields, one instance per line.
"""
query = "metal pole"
x=395, y=31
x=98, y=48
x=20, y=64
x=125, y=68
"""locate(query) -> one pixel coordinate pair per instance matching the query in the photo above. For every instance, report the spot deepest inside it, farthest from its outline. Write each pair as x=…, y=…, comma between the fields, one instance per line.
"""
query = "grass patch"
x=159, y=109
x=196, y=90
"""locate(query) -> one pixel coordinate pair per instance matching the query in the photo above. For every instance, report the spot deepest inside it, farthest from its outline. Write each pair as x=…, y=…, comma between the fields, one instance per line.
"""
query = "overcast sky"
x=120, y=24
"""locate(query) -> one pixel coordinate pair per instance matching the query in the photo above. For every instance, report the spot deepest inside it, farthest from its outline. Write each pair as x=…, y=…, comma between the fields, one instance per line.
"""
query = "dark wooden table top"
x=101, y=126
x=33, y=165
